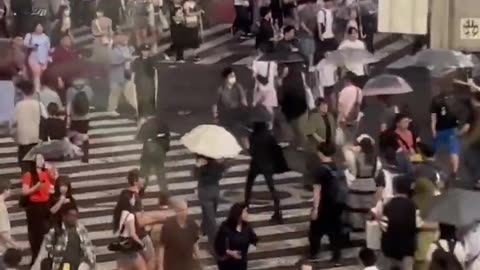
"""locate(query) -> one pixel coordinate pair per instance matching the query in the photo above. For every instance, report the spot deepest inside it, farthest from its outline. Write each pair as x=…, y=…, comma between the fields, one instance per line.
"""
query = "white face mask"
x=232, y=80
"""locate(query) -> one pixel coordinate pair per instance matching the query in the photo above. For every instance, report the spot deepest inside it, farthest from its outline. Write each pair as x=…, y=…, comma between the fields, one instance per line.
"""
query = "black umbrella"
x=458, y=207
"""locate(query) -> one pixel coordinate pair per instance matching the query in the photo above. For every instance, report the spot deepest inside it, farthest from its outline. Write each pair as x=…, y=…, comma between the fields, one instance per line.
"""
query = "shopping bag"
x=373, y=234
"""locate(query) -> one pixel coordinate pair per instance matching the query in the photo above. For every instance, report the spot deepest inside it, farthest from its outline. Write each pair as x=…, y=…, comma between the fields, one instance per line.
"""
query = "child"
x=12, y=258
x=368, y=258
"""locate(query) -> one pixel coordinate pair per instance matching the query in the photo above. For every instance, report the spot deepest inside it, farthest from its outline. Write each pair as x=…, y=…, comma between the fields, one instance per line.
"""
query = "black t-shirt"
x=399, y=240
x=179, y=243
x=442, y=107
x=322, y=175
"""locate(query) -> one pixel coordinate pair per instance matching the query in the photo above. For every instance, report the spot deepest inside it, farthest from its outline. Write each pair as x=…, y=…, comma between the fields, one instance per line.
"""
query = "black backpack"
x=445, y=260
x=81, y=104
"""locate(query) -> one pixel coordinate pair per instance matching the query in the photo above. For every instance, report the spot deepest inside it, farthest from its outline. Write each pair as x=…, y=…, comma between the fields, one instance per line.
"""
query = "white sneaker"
x=114, y=114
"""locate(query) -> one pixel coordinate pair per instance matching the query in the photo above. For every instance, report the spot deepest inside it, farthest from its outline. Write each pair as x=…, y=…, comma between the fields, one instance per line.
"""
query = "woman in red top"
x=405, y=137
x=37, y=186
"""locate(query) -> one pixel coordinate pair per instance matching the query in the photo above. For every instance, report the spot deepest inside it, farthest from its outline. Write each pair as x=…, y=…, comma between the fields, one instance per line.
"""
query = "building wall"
x=403, y=16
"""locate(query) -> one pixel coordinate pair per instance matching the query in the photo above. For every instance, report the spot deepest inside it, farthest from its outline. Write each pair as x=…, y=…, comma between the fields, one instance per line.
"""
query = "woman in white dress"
x=352, y=42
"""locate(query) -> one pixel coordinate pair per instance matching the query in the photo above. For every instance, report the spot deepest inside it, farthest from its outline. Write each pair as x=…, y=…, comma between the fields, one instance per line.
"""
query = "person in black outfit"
x=400, y=223
x=177, y=29
x=61, y=199
x=23, y=16
x=266, y=34
x=293, y=101
x=267, y=159
x=233, y=239
x=209, y=172
x=288, y=43
x=155, y=136
x=327, y=212
x=143, y=69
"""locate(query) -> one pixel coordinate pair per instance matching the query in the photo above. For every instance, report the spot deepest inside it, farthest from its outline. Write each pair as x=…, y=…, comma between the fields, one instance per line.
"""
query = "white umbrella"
x=386, y=84
x=211, y=141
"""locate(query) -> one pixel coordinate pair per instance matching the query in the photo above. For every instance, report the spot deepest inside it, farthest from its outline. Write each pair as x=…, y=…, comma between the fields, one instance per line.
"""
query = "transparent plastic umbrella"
x=386, y=85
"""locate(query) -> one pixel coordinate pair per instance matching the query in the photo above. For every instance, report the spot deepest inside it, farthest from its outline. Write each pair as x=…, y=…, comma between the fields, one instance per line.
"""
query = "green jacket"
x=316, y=125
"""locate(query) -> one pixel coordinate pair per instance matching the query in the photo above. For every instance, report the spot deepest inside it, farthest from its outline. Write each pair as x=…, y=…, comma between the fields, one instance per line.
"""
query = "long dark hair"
x=34, y=172
x=235, y=216
x=64, y=181
x=123, y=204
x=369, y=149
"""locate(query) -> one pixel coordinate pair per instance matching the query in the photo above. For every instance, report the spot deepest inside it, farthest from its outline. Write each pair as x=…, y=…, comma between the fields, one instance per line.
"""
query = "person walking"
x=234, y=238
x=143, y=73
x=177, y=29
x=125, y=225
x=266, y=159
x=321, y=125
x=120, y=75
x=37, y=185
x=350, y=101
x=39, y=44
x=155, y=136
x=208, y=173
x=327, y=207
x=6, y=239
x=101, y=28
x=179, y=247
x=193, y=27
x=69, y=245
x=229, y=108
x=79, y=97
x=26, y=127
x=400, y=221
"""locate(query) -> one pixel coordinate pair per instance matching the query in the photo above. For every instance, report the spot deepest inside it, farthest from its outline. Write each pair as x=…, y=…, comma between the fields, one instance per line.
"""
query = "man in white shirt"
x=325, y=27
x=26, y=122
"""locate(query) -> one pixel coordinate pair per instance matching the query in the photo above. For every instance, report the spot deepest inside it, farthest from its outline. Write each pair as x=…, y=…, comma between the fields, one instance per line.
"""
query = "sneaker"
x=181, y=61
x=114, y=114
x=196, y=58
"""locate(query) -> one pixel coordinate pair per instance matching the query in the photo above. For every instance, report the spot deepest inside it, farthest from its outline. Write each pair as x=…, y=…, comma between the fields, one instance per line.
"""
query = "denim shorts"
x=447, y=138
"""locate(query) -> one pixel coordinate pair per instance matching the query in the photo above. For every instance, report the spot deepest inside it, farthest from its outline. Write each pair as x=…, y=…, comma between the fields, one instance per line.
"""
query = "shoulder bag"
x=124, y=244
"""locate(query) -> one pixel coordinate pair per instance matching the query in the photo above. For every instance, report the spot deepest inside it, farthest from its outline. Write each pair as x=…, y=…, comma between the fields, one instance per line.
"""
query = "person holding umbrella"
x=212, y=144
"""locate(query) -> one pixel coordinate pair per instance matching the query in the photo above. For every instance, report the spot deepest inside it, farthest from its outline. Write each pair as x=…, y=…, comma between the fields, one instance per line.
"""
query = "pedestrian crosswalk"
x=221, y=47
x=114, y=151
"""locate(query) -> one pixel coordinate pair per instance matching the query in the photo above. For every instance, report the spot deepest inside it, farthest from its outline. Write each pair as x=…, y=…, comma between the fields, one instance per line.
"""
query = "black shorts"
x=80, y=126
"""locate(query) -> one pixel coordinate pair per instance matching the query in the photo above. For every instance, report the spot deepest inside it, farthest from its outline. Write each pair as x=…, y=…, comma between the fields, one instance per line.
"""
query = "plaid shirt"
x=58, y=250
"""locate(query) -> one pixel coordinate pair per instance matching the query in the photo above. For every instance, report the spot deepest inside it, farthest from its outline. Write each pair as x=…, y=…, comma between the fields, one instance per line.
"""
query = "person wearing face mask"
x=143, y=73
x=229, y=109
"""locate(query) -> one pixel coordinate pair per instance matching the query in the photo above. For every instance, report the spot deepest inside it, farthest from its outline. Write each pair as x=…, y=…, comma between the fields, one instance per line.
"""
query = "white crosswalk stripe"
x=98, y=184
x=220, y=46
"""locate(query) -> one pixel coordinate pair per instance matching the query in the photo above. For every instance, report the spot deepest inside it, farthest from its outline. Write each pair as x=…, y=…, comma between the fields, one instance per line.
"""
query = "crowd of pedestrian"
x=383, y=183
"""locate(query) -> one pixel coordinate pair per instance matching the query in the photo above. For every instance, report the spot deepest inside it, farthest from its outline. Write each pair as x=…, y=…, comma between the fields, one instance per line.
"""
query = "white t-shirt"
x=327, y=73
x=4, y=224
x=27, y=117
x=266, y=92
x=325, y=17
x=125, y=217
x=356, y=68
x=243, y=3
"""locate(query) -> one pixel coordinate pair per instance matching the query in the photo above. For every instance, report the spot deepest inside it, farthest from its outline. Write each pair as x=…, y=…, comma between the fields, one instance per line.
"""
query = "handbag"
x=124, y=244
x=47, y=263
x=263, y=80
